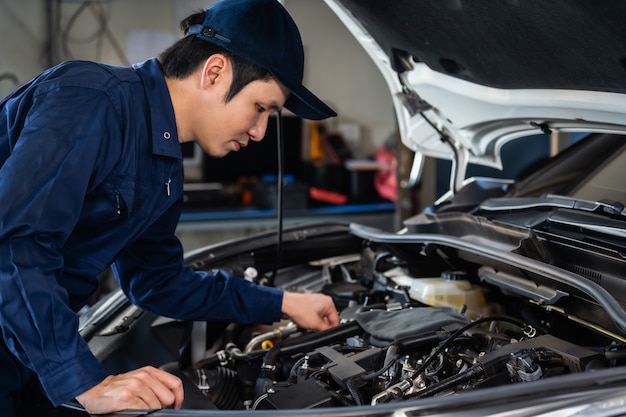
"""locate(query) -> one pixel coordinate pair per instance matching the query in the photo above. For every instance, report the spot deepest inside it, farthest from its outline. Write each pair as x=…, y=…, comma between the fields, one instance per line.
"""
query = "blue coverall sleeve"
x=151, y=274
x=55, y=156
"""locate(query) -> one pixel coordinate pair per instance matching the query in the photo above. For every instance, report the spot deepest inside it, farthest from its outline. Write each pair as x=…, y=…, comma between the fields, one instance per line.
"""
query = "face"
x=220, y=127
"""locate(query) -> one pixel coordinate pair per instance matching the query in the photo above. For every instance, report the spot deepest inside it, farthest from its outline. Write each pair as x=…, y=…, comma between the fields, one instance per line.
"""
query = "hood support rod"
x=460, y=161
x=414, y=104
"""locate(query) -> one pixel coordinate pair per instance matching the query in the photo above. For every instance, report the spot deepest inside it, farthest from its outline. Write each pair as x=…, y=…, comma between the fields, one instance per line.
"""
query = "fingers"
x=328, y=316
x=311, y=311
x=175, y=386
x=145, y=388
x=327, y=313
x=164, y=389
x=332, y=318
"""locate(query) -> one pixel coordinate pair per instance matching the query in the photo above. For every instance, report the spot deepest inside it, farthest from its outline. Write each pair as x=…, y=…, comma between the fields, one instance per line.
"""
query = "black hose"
x=390, y=358
x=457, y=333
x=352, y=385
x=407, y=343
x=231, y=333
x=474, y=372
x=293, y=373
x=312, y=340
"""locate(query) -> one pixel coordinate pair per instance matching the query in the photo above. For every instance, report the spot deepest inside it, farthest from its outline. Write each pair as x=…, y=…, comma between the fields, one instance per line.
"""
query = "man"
x=91, y=176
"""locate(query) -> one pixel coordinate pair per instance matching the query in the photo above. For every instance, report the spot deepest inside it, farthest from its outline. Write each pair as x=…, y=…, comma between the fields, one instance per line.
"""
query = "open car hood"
x=468, y=76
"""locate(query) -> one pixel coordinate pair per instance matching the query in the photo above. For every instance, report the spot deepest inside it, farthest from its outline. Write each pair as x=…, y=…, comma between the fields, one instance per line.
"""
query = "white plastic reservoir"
x=451, y=289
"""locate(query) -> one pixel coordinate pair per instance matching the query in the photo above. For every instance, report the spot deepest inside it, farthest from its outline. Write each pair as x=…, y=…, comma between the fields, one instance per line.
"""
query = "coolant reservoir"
x=451, y=289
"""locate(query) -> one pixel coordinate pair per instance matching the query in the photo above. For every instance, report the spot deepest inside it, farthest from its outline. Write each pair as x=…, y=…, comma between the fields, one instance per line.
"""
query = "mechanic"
x=91, y=177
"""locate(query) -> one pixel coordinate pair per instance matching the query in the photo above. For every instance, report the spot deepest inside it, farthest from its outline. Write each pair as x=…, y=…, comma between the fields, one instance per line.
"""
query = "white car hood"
x=467, y=113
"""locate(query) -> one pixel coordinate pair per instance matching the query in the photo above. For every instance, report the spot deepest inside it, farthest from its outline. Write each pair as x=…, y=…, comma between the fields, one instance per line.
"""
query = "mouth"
x=238, y=144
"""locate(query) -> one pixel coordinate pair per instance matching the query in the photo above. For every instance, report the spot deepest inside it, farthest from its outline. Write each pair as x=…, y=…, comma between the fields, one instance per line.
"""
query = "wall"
x=22, y=41
x=337, y=69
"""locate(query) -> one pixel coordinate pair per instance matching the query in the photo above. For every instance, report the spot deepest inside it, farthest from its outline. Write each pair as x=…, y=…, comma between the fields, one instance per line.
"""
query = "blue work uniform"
x=91, y=176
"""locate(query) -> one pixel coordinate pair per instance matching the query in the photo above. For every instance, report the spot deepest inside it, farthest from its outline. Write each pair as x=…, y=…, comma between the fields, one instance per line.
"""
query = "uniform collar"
x=163, y=121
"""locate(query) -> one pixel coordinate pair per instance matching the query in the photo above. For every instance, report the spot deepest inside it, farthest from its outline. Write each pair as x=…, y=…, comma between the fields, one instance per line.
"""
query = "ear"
x=214, y=69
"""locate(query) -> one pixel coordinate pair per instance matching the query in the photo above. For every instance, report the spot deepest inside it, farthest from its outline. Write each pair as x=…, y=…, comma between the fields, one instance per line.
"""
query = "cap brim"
x=305, y=104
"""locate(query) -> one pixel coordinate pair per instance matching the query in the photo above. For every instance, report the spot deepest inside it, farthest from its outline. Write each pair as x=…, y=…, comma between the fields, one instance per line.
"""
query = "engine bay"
x=401, y=337
x=418, y=320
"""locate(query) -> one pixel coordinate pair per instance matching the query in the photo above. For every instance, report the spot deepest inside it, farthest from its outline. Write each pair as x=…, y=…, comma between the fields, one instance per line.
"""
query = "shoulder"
x=85, y=74
x=91, y=83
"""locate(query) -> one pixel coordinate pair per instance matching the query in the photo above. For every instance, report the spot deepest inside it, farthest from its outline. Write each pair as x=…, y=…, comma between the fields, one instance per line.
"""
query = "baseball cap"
x=263, y=33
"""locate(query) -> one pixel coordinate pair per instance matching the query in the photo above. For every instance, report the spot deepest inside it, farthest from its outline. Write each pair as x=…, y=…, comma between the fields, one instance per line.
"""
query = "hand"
x=141, y=389
x=311, y=311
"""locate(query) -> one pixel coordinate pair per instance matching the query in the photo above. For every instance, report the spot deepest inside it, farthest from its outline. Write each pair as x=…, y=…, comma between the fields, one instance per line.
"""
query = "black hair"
x=184, y=57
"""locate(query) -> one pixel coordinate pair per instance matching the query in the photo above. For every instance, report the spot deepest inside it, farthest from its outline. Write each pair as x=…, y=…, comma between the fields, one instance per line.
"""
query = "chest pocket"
x=110, y=202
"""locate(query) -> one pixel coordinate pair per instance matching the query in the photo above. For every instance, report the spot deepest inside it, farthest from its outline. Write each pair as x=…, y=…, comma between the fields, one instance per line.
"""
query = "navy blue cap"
x=263, y=33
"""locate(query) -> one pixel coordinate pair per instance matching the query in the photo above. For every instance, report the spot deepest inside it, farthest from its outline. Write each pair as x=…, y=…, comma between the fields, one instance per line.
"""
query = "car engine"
x=422, y=316
x=402, y=336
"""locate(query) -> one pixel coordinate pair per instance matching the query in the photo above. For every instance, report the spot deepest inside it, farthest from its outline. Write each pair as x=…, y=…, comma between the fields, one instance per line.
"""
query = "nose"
x=257, y=132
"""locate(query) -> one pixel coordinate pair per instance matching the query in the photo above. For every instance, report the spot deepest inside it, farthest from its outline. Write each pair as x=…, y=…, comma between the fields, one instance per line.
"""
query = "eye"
x=260, y=109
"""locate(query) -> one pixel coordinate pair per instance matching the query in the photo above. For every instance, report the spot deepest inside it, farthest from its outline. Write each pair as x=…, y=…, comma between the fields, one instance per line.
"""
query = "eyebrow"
x=273, y=106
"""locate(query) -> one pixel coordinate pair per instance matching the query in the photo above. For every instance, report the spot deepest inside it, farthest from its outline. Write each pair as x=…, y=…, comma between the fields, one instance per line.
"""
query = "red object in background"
x=326, y=196
x=385, y=180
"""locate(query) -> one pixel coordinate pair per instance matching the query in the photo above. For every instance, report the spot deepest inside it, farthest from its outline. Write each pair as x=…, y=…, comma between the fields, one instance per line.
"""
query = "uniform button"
x=167, y=135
